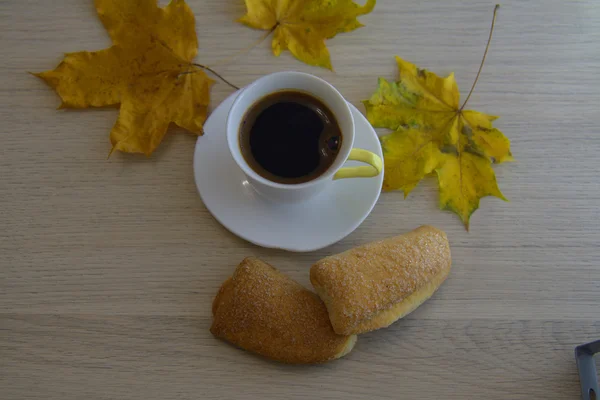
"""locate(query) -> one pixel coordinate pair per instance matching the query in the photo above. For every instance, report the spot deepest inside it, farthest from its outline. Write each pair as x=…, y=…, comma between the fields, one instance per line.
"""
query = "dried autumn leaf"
x=301, y=26
x=434, y=134
x=147, y=71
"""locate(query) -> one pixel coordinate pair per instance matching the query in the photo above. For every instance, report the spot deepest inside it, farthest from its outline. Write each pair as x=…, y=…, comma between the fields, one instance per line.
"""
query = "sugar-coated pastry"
x=261, y=310
x=372, y=286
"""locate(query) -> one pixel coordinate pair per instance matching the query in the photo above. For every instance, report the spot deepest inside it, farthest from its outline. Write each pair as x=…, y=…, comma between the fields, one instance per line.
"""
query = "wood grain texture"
x=108, y=268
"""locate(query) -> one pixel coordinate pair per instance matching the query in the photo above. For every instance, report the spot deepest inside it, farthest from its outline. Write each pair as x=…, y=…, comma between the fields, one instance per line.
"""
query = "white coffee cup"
x=322, y=90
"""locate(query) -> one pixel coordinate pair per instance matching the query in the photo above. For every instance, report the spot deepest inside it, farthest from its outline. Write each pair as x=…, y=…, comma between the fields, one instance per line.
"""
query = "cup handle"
x=365, y=171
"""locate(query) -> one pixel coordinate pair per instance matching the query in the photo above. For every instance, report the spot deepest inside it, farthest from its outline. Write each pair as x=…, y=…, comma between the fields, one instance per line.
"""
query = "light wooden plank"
x=108, y=267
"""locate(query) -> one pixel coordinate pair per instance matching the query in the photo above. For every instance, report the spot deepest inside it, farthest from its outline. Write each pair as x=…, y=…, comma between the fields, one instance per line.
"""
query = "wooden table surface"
x=108, y=267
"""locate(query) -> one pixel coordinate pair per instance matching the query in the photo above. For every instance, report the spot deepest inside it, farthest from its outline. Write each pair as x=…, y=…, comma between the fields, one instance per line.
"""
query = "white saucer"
x=319, y=222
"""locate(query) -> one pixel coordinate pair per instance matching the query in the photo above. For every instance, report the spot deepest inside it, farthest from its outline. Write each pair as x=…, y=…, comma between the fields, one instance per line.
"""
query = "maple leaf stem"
x=247, y=49
x=484, y=56
x=244, y=51
x=212, y=71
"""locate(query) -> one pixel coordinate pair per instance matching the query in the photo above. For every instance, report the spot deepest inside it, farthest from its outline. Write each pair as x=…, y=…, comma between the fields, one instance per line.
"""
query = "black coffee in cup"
x=290, y=137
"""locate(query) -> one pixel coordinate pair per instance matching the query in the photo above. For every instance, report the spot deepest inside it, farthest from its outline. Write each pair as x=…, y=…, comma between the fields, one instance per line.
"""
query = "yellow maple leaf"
x=434, y=134
x=301, y=26
x=147, y=70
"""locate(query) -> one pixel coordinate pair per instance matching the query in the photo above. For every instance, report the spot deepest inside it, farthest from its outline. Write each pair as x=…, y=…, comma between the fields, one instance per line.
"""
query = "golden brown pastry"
x=372, y=286
x=261, y=310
